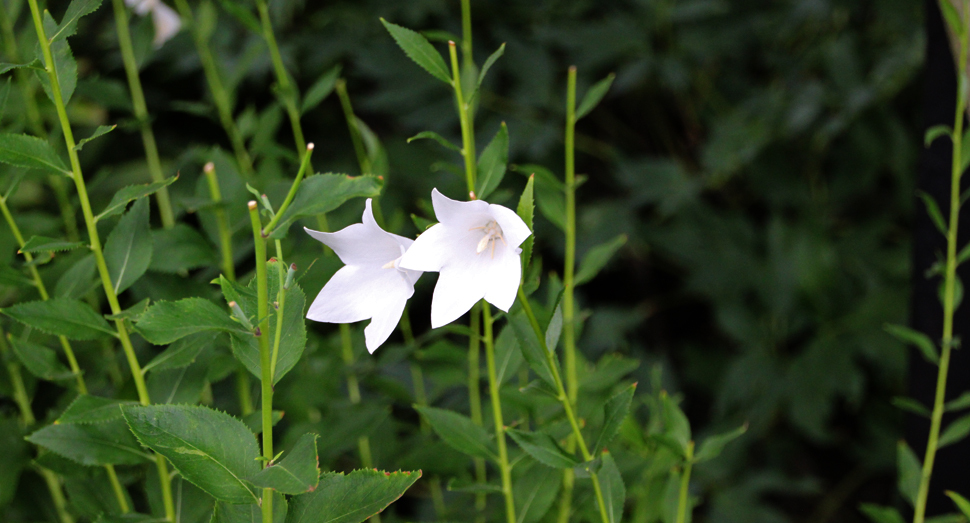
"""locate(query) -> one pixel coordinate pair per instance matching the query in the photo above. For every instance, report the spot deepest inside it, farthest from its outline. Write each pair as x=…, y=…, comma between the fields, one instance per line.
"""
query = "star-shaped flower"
x=371, y=285
x=475, y=248
x=166, y=21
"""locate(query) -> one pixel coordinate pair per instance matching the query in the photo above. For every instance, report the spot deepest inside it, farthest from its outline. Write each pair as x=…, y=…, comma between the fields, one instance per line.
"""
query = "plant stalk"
x=684, y=484
x=494, y=393
x=467, y=132
x=265, y=364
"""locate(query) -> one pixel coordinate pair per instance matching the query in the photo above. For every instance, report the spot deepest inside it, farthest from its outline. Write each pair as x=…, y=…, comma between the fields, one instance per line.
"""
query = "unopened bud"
x=471, y=194
x=252, y=205
x=309, y=146
x=290, y=273
x=209, y=168
x=240, y=316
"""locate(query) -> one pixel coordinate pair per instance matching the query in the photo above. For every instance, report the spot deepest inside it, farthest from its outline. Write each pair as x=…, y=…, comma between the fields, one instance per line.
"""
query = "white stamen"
x=492, y=232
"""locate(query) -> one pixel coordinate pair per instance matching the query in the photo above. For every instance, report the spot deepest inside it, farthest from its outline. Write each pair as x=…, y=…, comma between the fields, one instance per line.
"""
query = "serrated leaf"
x=350, y=498
x=597, y=258
x=131, y=313
x=73, y=319
x=489, y=62
x=132, y=192
x=880, y=514
x=909, y=470
x=934, y=211
x=30, y=152
x=531, y=350
x=955, y=431
x=320, y=89
x=41, y=361
x=543, y=448
x=526, y=211
x=913, y=337
x=75, y=10
x=536, y=491
x=935, y=132
x=105, y=443
x=436, y=137
x=676, y=424
x=492, y=163
x=44, y=244
x=614, y=491
x=168, y=321
x=459, y=432
x=233, y=513
x=64, y=64
x=961, y=502
x=323, y=193
x=211, y=449
x=616, y=408
x=92, y=409
x=184, y=249
x=182, y=386
x=417, y=48
x=128, y=251
x=33, y=64
x=712, y=446
x=99, y=132
x=297, y=473
x=182, y=353
x=594, y=95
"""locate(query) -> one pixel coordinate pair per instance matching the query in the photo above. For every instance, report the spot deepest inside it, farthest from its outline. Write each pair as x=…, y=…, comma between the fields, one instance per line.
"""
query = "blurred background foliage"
x=760, y=156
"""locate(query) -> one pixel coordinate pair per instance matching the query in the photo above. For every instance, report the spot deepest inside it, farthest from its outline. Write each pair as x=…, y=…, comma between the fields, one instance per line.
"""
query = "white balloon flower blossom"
x=371, y=285
x=475, y=248
x=166, y=21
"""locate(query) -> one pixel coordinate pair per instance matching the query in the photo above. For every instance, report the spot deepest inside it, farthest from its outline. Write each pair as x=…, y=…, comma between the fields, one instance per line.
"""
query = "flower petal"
x=357, y=293
x=432, y=250
x=513, y=227
x=502, y=280
x=167, y=23
x=461, y=284
x=459, y=214
x=363, y=243
x=383, y=324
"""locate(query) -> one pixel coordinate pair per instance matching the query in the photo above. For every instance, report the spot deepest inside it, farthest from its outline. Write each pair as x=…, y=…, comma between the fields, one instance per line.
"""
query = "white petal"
x=457, y=290
x=142, y=7
x=513, y=227
x=502, y=280
x=459, y=214
x=357, y=293
x=363, y=243
x=167, y=23
x=432, y=250
x=383, y=324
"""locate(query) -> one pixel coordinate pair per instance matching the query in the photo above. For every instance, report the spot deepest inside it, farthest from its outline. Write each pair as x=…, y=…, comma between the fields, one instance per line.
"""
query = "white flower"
x=166, y=20
x=475, y=247
x=371, y=285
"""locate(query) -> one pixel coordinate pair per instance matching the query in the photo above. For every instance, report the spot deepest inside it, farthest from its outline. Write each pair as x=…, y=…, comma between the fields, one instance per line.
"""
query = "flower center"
x=393, y=264
x=491, y=233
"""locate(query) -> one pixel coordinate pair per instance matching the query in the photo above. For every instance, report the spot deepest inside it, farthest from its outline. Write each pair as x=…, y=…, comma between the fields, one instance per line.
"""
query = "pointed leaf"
x=492, y=163
x=132, y=192
x=676, y=424
x=211, y=449
x=436, y=137
x=167, y=321
x=492, y=58
x=320, y=89
x=30, y=152
x=592, y=97
x=526, y=211
x=128, y=251
x=910, y=470
x=75, y=11
x=350, y=498
x=913, y=337
x=543, y=448
x=961, y=402
x=617, y=408
x=33, y=64
x=105, y=443
x=184, y=249
x=535, y=492
x=712, y=446
x=935, y=132
x=911, y=405
x=955, y=431
x=934, y=211
x=531, y=350
x=297, y=473
x=73, y=319
x=92, y=409
x=880, y=514
x=597, y=258
x=131, y=313
x=99, y=132
x=961, y=503
x=64, y=63
x=508, y=355
x=182, y=386
x=323, y=193
x=40, y=360
x=44, y=244
x=459, y=432
x=614, y=491
x=420, y=50
x=182, y=353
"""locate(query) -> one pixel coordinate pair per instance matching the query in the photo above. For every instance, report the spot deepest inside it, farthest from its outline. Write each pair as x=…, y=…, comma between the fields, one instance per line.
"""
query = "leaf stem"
x=304, y=164
x=141, y=113
x=464, y=118
x=684, y=484
x=78, y=177
x=494, y=393
x=265, y=364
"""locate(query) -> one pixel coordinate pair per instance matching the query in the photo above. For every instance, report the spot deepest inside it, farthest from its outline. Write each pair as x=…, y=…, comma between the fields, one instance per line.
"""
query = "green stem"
x=493, y=387
x=466, y=31
x=304, y=164
x=464, y=118
x=353, y=392
x=280, y=303
x=949, y=282
x=67, y=209
x=17, y=383
x=265, y=365
x=34, y=119
x=352, y=127
x=684, y=484
x=475, y=397
x=219, y=94
x=568, y=311
x=141, y=113
x=57, y=495
x=222, y=222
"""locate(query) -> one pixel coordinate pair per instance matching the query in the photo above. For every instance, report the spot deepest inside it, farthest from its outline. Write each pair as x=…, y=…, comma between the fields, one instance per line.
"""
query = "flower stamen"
x=492, y=232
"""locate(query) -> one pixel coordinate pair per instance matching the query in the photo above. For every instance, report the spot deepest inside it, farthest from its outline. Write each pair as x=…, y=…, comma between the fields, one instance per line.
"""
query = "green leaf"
x=880, y=514
x=910, y=470
x=420, y=50
x=128, y=251
x=33, y=64
x=184, y=249
x=131, y=313
x=592, y=97
x=167, y=321
x=676, y=424
x=242, y=15
x=30, y=152
x=182, y=386
x=961, y=402
x=211, y=449
x=492, y=163
x=536, y=491
x=526, y=211
x=320, y=89
x=913, y=337
x=436, y=137
x=350, y=498
x=182, y=353
x=614, y=491
x=961, y=503
x=935, y=132
x=911, y=405
x=323, y=193
x=531, y=350
x=64, y=64
x=75, y=11
x=459, y=432
x=597, y=258
x=44, y=244
x=952, y=17
x=251, y=513
x=616, y=408
x=79, y=280
x=955, y=431
x=712, y=446
x=474, y=487
x=255, y=420
x=934, y=211
x=132, y=192
x=73, y=319
x=92, y=409
x=297, y=473
x=508, y=355
x=40, y=360
x=492, y=58
x=245, y=346
x=105, y=443
x=99, y=132
x=554, y=329
x=543, y=448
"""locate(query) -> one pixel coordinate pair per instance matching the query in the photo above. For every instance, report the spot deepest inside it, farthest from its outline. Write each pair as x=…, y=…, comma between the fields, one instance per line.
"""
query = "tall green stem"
x=141, y=113
x=352, y=127
x=475, y=397
x=265, y=363
x=494, y=393
x=464, y=118
x=220, y=96
x=685, y=484
x=949, y=281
